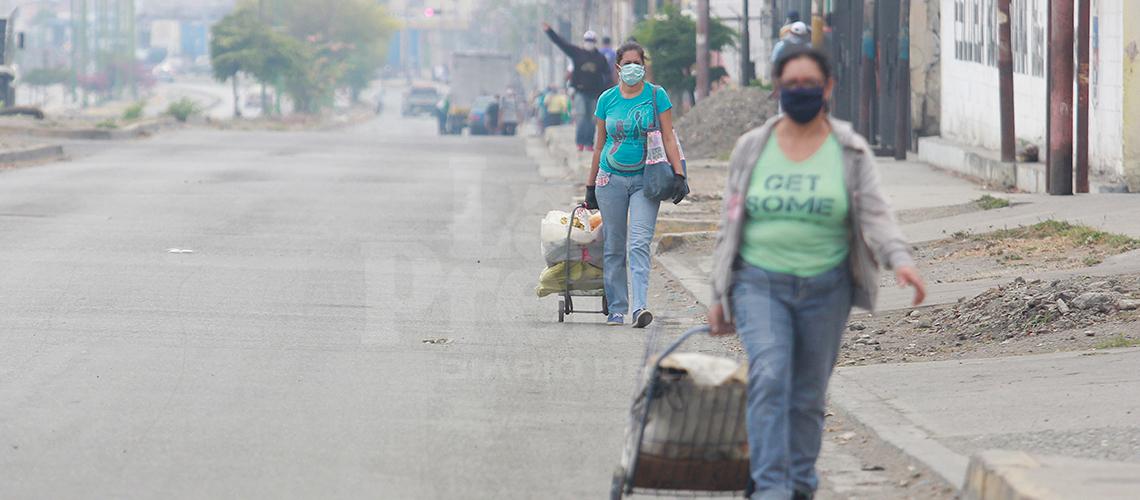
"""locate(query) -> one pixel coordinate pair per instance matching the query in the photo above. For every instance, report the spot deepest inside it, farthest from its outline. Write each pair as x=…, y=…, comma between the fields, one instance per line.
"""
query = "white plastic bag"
x=554, y=227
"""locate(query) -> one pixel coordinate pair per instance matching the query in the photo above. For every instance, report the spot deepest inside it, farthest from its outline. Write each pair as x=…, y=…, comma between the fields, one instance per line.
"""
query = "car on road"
x=420, y=99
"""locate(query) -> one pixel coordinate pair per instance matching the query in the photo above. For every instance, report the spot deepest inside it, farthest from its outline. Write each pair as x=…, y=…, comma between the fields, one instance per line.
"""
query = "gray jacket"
x=875, y=235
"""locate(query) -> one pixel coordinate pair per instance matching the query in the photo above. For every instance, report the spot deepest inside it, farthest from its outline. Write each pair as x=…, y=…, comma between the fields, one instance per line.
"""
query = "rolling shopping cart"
x=585, y=288
x=686, y=437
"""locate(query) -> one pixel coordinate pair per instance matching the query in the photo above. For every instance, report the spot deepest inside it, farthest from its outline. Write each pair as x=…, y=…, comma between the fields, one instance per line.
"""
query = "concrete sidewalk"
x=1075, y=404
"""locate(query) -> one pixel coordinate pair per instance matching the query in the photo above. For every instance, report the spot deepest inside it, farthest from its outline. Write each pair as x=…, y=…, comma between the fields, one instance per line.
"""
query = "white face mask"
x=590, y=45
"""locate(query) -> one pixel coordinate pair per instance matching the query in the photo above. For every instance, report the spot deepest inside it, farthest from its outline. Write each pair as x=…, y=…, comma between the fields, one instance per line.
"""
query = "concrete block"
x=982, y=165
x=1031, y=177
x=1016, y=475
x=34, y=153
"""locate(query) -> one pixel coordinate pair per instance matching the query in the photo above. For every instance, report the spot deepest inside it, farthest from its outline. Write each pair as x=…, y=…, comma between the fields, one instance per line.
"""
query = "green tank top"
x=797, y=212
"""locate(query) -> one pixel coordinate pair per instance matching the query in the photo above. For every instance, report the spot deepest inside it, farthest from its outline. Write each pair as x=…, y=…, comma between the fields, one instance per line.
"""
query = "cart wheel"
x=605, y=305
x=561, y=311
x=618, y=486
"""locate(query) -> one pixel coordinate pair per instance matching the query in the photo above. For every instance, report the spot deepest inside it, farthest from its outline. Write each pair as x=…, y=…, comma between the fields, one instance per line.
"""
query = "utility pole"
x=747, y=73
x=702, y=49
x=902, y=106
x=1061, y=98
x=1083, y=16
x=1005, y=83
x=264, y=91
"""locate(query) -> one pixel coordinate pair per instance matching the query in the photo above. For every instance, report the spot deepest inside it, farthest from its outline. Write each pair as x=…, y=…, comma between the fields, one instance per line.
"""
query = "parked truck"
x=475, y=74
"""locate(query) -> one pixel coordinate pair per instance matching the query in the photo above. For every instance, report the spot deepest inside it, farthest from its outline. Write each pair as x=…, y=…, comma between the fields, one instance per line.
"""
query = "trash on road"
x=179, y=250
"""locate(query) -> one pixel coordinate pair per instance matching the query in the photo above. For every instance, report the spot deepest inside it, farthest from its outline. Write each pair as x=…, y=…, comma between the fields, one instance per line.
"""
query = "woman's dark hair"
x=628, y=46
x=801, y=52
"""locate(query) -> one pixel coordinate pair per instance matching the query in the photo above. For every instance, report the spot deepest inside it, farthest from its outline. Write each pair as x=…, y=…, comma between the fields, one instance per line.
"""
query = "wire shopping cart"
x=684, y=438
x=566, y=301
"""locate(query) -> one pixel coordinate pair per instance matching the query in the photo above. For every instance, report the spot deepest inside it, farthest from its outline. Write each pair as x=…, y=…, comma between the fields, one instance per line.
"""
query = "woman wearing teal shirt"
x=804, y=229
x=624, y=117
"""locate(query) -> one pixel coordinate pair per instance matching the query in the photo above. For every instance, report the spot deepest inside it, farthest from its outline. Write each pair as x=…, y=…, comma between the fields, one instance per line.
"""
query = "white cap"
x=590, y=36
x=798, y=28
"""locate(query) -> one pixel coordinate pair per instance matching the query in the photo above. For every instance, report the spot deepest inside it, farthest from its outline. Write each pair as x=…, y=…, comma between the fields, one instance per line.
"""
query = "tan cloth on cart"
x=700, y=414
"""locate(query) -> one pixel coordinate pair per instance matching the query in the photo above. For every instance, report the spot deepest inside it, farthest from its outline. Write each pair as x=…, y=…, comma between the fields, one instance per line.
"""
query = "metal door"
x=845, y=45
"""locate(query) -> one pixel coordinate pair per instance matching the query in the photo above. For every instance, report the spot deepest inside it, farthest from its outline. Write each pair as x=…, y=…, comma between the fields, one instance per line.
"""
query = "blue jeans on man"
x=791, y=329
x=584, y=134
x=619, y=197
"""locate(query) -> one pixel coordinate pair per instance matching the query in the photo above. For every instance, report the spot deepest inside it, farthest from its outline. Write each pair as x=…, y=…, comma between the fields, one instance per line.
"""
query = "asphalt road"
x=285, y=357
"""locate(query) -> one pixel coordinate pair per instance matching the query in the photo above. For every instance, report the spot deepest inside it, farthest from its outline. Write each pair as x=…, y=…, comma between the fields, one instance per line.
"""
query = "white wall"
x=970, y=106
x=970, y=102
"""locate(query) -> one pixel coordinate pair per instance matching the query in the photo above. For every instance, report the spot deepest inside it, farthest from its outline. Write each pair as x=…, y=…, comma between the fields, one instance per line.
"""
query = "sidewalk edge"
x=33, y=154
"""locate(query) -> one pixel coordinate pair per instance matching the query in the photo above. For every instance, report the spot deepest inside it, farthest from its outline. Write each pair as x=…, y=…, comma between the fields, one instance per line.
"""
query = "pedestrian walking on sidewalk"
x=804, y=226
x=624, y=118
x=590, y=76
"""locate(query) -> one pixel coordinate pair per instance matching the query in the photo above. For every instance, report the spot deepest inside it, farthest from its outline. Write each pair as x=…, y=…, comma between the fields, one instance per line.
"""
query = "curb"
x=133, y=131
x=32, y=154
x=1015, y=475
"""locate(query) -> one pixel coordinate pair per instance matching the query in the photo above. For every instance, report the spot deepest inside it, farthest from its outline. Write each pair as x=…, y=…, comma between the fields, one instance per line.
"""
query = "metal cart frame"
x=624, y=477
x=566, y=301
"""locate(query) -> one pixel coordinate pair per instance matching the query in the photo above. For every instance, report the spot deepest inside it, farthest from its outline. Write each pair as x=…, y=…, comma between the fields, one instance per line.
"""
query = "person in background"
x=556, y=105
x=617, y=177
x=793, y=17
x=494, y=122
x=804, y=229
x=611, y=56
x=509, y=113
x=591, y=76
x=798, y=36
x=442, y=108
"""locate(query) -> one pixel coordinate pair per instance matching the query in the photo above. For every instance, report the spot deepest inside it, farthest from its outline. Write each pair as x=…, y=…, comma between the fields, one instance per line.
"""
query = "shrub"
x=183, y=109
x=134, y=111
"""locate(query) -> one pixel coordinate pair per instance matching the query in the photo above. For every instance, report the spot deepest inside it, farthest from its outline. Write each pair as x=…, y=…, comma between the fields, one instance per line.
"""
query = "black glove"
x=591, y=198
x=680, y=188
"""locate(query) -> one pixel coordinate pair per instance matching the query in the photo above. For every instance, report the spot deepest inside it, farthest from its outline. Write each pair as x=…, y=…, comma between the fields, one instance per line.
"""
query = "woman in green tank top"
x=803, y=216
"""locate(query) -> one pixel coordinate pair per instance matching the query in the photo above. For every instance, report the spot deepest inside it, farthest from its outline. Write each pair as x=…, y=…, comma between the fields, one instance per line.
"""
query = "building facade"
x=970, y=99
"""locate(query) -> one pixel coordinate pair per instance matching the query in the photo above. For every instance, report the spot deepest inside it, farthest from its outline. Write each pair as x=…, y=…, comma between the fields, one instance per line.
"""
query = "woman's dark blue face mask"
x=802, y=104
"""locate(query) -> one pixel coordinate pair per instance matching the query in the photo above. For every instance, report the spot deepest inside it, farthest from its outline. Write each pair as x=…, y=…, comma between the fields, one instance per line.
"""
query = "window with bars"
x=976, y=34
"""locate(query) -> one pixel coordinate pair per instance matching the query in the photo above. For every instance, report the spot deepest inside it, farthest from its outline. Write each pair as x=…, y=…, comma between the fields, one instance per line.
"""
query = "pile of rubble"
x=1034, y=307
x=711, y=128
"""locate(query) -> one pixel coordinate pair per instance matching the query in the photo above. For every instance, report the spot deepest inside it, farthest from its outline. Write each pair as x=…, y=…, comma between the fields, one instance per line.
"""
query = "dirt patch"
x=1023, y=251
x=1022, y=317
x=711, y=129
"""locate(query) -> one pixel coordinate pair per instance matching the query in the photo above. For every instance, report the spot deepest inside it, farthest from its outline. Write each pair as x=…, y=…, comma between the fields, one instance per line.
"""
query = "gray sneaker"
x=642, y=318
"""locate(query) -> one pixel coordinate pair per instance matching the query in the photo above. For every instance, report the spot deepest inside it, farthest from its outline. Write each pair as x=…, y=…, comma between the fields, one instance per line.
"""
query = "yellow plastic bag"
x=583, y=277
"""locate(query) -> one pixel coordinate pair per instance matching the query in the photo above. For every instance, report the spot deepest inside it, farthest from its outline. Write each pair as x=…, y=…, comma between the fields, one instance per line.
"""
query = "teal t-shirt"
x=627, y=122
x=797, y=212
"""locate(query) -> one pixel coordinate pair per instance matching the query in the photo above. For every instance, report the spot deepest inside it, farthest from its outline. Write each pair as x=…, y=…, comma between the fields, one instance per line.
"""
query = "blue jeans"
x=791, y=329
x=620, y=196
x=584, y=134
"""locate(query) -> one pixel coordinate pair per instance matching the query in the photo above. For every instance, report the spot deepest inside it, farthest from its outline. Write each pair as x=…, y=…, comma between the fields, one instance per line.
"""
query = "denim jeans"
x=791, y=329
x=585, y=133
x=620, y=196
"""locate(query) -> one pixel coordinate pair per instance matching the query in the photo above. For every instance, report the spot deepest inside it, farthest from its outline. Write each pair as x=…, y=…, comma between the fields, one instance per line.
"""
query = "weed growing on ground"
x=134, y=111
x=1078, y=234
x=987, y=202
x=183, y=109
x=1117, y=342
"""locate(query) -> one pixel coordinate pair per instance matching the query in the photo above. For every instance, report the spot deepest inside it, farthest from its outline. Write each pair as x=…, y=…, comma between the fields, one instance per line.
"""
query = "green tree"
x=348, y=41
x=671, y=41
x=234, y=48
